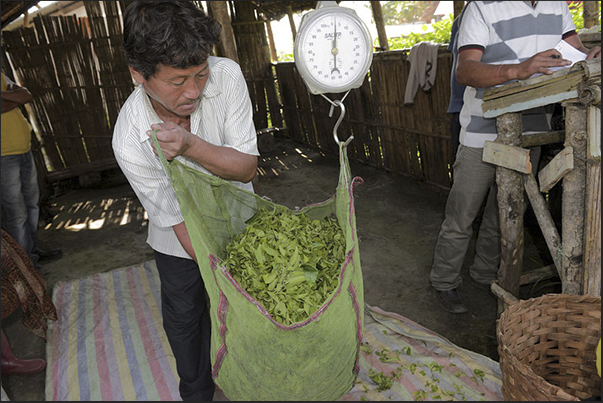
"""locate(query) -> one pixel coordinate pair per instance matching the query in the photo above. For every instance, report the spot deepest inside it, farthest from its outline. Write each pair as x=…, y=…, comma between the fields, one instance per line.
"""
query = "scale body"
x=333, y=49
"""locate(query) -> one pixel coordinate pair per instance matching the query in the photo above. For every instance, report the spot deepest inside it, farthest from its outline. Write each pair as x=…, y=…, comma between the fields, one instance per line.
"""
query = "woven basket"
x=547, y=348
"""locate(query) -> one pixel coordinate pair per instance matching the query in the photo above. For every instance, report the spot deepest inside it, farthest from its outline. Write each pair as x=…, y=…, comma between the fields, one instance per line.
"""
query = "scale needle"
x=334, y=50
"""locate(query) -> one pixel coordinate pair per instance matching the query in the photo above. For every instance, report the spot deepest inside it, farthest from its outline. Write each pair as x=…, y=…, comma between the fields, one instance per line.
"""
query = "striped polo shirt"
x=224, y=118
x=508, y=32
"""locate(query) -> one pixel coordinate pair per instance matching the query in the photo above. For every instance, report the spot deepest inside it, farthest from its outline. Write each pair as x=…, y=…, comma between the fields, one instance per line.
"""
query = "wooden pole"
x=379, y=22
x=227, y=46
x=590, y=13
x=545, y=220
x=572, y=210
x=271, y=42
x=511, y=209
x=592, y=220
x=458, y=7
x=291, y=22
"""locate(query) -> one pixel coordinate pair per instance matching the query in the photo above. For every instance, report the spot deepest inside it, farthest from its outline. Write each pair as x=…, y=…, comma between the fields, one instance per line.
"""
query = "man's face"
x=175, y=91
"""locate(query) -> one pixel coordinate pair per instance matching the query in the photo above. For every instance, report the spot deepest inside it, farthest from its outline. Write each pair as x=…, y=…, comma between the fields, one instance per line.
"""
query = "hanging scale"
x=333, y=53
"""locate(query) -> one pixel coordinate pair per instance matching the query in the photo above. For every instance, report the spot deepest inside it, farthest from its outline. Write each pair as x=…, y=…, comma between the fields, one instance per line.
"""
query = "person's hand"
x=594, y=53
x=173, y=139
x=541, y=63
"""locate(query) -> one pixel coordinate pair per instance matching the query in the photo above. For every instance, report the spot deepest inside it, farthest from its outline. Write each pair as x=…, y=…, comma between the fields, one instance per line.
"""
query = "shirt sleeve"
x=568, y=24
x=474, y=32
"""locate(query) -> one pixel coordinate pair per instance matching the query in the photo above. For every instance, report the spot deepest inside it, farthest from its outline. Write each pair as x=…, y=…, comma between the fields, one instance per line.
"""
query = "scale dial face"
x=333, y=50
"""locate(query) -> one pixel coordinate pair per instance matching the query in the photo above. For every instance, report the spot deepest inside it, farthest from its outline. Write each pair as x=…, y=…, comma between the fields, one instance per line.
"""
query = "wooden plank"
x=540, y=90
x=594, y=132
x=545, y=220
x=592, y=230
x=515, y=158
x=555, y=170
x=540, y=139
x=506, y=297
x=590, y=69
x=537, y=275
x=525, y=101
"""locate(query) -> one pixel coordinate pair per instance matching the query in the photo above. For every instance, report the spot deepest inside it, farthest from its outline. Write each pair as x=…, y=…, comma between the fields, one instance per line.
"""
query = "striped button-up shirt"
x=224, y=118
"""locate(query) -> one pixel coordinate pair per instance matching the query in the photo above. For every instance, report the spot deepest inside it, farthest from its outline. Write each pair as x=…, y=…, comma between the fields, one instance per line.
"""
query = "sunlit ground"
x=87, y=215
x=271, y=165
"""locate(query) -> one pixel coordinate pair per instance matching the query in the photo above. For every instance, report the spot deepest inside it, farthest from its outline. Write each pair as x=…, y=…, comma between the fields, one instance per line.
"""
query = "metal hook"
x=341, y=116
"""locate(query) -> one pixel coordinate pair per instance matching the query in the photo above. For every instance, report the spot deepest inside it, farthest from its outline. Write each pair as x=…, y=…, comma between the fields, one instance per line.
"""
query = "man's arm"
x=471, y=71
x=14, y=97
x=224, y=162
x=185, y=239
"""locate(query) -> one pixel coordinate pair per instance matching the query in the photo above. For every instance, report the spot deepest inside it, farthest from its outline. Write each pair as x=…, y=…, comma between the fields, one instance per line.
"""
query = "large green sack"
x=254, y=357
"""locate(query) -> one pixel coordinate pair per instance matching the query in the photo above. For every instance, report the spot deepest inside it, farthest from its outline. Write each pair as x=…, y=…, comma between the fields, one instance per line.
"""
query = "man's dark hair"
x=173, y=33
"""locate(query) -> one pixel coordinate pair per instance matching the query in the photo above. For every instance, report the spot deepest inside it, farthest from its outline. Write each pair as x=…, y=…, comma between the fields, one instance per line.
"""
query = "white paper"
x=569, y=52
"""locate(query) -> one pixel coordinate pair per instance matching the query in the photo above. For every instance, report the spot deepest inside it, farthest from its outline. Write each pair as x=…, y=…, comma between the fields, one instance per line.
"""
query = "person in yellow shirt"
x=19, y=180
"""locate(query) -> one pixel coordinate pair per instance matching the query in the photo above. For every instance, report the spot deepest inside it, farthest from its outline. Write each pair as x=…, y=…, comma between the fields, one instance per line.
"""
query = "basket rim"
x=509, y=362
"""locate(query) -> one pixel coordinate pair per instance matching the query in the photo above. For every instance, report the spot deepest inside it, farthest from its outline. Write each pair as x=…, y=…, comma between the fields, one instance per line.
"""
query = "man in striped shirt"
x=499, y=41
x=199, y=106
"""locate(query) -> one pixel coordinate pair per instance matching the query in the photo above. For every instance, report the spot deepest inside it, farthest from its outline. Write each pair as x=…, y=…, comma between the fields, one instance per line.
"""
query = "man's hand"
x=173, y=139
x=222, y=161
x=594, y=53
x=540, y=63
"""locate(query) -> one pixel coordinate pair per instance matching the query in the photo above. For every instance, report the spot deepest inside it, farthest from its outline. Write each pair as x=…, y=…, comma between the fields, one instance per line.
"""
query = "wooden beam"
x=555, y=170
x=291, y=22
x=458, y=7
x=271, y=42
x=592, y=220
x=505, y=297
x=515, y=158
x=540, y=139
x=379, y=22
x=541, y=90
x=594, y=133
x=590, y=13
x=545, y=220
x=573, y=199
x=541, y=93
x=511, y=208
x=228, y=45
x=592, y=233
x=536, y=275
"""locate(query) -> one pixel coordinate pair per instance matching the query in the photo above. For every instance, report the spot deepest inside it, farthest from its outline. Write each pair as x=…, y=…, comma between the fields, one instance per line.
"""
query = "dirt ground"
x=100, y=226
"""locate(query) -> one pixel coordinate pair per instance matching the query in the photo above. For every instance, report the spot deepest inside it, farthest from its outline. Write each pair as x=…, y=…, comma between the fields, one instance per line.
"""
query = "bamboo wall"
x=76, y=71
x=413, y=141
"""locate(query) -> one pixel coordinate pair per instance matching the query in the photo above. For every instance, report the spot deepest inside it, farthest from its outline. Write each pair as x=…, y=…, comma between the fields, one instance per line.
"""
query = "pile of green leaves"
x=287, y=262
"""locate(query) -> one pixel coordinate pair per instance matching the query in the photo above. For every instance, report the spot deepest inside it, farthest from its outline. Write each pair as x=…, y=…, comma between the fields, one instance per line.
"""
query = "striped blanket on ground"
x=108, y=344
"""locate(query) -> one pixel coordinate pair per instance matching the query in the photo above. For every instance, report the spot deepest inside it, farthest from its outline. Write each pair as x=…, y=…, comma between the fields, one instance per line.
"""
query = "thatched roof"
x=271, y=10
x=275, y=10
x=11, y=10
